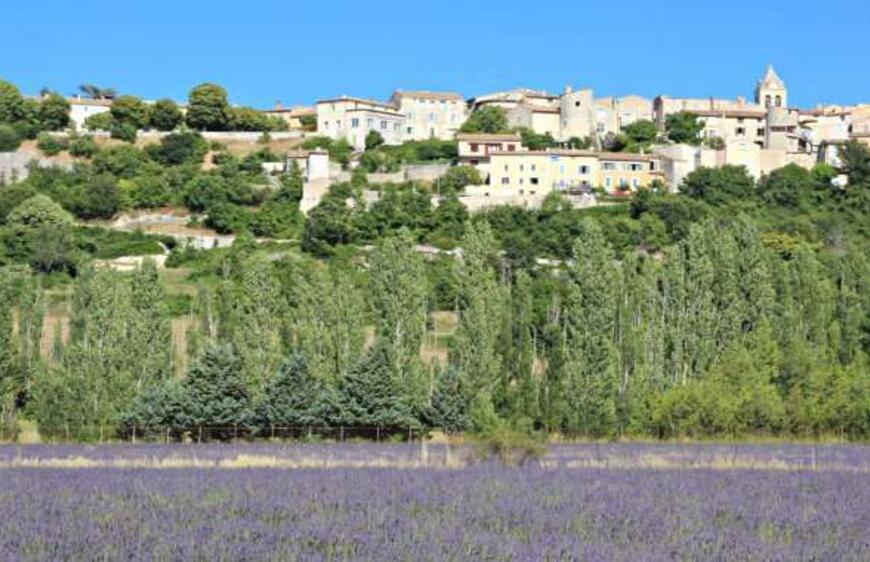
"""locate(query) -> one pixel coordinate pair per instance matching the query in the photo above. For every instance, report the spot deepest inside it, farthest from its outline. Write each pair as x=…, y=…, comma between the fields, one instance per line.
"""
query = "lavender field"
x=395, y=502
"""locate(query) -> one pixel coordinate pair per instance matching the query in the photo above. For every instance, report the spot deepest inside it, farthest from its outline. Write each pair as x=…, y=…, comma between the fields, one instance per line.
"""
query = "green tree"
x=642, y=131
x=166, y=115
x=130, y=111
x=456, y=178
x=208, y=108
x=9, y=139
x=373, y=140
x=855, y=162
x=371, y=395
x=176, y=149
x=489, y=119
x=475, y=349
x=41, y=231
x=328, y=316
x=12, y=107
x=54, y=113
x=214, y=393
x=719, y=185
x=590, y=379
x=684, y=127
x=400, y=310
x=294, y=398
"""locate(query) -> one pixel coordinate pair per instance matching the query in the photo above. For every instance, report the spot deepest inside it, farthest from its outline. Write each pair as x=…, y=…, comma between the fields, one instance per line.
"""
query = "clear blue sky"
x=297, y=52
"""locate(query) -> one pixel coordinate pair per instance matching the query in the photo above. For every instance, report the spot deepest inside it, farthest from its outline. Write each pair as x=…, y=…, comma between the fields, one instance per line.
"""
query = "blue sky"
x=297, y=52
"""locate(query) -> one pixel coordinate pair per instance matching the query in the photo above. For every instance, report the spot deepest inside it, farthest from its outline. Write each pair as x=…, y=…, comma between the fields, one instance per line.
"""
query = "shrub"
x=83, y=147
x=9, y=139
x=51, y=145
x=510, y=447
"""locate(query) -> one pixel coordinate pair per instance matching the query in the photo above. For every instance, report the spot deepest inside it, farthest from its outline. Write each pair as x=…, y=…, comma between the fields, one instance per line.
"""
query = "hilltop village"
x=523, y=143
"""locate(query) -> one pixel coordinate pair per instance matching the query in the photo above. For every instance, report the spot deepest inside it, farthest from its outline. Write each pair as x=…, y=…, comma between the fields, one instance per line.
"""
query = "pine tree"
x=450, y=409
x=214, y=393
x=371, y=395
x=293, y=398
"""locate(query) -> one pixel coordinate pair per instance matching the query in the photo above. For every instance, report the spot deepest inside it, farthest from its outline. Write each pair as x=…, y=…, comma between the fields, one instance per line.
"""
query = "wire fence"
x=212, y=433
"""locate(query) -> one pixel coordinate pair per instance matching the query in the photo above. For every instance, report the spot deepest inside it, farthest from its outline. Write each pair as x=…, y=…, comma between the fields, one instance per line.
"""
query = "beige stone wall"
x=431, y=118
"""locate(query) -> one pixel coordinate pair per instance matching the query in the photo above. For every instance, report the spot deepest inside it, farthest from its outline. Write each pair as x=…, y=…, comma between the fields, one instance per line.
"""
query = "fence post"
x=199, y=440
x=235, y=432
x=134, y=434
x=341, y=433
x=167, y=435
x=378, y=434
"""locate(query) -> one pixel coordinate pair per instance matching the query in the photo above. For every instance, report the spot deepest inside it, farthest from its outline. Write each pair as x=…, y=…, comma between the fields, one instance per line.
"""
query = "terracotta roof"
x=483, y=137
x=88, y=101
x=727, y=113
x=616, y=156
x=388, y=110
x=298, y=110
x=427, y=95
x=357, y=100
x=540, y=109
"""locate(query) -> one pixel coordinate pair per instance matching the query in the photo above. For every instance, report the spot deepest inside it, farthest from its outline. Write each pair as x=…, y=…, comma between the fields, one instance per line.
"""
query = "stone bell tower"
x=771, y=90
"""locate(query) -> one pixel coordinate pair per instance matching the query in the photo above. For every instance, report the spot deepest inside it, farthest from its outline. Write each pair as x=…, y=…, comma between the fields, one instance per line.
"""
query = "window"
x=600, y=127
x=635, y=167
x=370, y=123
x=635, y=182
x=326, y=124
x=511, y=147
x=562, y=169
x=582, y=169
x=473, y=147
x=522, y=167
x=607, y=181
x=778, y=101
x=766, y=101
x=741, y=131
x=410, y=130
x=609, y=166
x=622, y=182
x=354, y=123
x=521, y=181
x=431, y=117
x=396, y=127
x=383, y=125
x=533, y=181
x=576, y=104
x=505, y=181
x=760, y=132
x=475, y=161
x=532, y=167
x=505, y=167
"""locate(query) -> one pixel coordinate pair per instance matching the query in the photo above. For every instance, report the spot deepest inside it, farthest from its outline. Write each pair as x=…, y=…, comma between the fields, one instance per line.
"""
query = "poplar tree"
x=398, y=292
x=591, y=379
x=475, y=349
x=150, y=329
x=252, y=315
x=328, y=323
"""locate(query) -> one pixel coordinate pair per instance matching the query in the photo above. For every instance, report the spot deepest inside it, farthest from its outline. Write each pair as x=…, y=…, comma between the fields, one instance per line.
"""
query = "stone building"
x=428, y=115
